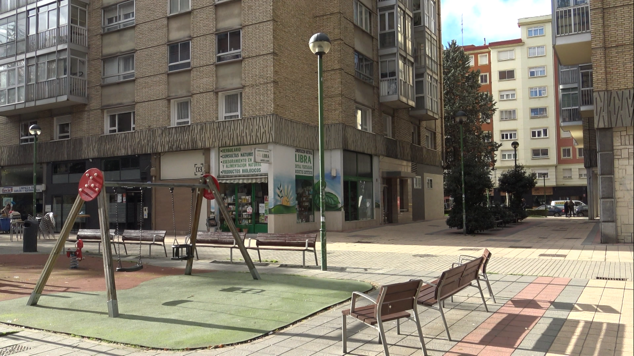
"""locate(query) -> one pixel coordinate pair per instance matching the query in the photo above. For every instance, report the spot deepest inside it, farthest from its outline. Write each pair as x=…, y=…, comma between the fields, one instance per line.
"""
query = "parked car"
x=552, y=210
x=560, y=203
x=582, y=210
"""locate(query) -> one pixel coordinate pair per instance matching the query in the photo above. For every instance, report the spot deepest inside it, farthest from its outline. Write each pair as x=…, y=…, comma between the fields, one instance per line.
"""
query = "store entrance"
x=247, y=205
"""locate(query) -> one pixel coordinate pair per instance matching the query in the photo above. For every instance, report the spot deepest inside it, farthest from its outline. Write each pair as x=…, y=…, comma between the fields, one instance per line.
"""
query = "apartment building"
x=480, y=59
x=594, y=45
x=149, y=90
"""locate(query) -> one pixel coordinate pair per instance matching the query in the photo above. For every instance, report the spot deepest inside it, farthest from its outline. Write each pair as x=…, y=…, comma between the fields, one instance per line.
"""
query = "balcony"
x=50, y=94
x=75, y=35
x=572, y=121
x=397, y=93
x=572, y=32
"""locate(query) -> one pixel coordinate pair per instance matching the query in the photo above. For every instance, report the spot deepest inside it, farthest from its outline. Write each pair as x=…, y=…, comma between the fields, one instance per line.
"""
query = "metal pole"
x=34, y=174
x=322, y=174
x=515, y=156
x=464, y=211
x=545, y=207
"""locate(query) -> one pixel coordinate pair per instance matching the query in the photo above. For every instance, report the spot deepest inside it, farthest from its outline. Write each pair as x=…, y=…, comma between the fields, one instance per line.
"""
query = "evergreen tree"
x=517, y=182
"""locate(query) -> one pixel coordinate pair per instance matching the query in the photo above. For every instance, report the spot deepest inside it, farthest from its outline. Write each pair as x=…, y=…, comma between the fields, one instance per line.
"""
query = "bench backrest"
x=398, y=297
x=145, y=235
x=295, y=240
x=90, y=234
x=449, y=282
x=218, y=238
x=487, y=256
x=472, y=268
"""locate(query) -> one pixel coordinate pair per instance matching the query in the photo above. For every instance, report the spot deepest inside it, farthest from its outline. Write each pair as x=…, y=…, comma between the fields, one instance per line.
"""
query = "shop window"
x=124, y=168
x=68, y=172
x=357, y=187
x=247, y=206
x=304, y=192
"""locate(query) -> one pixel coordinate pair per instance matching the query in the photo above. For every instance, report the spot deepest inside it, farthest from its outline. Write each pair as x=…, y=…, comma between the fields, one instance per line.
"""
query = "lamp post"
x=320, y=44
x=515, y=145
x=461, y=117
x=545, y=207
x=35, y=130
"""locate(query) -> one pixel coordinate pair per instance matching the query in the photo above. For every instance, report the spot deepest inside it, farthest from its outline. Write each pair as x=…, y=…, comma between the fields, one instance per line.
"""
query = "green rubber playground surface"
x=179, y=312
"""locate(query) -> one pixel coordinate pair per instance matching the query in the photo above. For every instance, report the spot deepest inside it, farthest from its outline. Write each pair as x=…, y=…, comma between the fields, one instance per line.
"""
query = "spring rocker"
x=75, y=254
x=92, y=186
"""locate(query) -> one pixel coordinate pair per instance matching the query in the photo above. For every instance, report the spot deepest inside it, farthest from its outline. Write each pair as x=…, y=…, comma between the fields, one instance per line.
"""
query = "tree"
x=517, y=182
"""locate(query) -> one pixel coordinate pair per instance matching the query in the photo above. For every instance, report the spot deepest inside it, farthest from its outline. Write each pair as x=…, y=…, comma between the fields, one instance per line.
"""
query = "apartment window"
x=483, y=59
x=364, y=67
x=13, y=35
x=364, y=119
x=537, y=72
x=229, y=46
x=569, y=98
x=537, y=51
x=362, y=16
x=230, y=105
x=583, y=173
x=387, y=33
x=484, y=78
x=430, y=183
x=535, y=31
x=430, y=139
x=506, y=74
x=507, y=95
x=566, y=152
x=431, y=50
x=508, y=155
x=506, y=55
x=431, y=15
x=539, y=133
x=540, y=153
x=118, y=16
x=567, y=173
x=579, y=152
x=416, y=134
x=181, y=111
x=538, y=112
x=388, y=126
x=25, y=135
x=179, y=56
x=178, y=6
x=537, y=92
x=418, y=182
x=471, y=60
x=508, y=135
x=119, y=120
x=417, y=11
x=508, y=115
x=12, y=77
x=116, y=69
x=541, y=174
x=62, y=128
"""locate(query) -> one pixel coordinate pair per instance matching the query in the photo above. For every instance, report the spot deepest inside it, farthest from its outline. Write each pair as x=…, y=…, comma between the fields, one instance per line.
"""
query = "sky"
x=495, y=20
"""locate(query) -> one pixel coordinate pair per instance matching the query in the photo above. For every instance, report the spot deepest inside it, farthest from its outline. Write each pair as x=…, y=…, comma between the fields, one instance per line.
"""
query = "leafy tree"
x=517, y=182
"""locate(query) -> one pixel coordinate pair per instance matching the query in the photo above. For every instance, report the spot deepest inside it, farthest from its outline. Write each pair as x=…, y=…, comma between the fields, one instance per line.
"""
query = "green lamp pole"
x=320, y=44
x=545, y=206
x=35, y=130
x=461, y=117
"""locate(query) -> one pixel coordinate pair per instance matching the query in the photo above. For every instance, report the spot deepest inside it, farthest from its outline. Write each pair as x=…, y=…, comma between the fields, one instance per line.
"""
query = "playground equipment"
x=75, y=253
x=91, y=186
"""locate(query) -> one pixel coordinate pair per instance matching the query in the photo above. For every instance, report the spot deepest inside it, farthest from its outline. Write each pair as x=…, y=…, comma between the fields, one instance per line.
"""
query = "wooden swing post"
x=193, y=234
x=108, y=266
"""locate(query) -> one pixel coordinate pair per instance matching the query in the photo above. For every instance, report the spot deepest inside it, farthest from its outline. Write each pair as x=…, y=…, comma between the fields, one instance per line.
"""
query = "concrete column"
x=590, y=194
x=607, y=204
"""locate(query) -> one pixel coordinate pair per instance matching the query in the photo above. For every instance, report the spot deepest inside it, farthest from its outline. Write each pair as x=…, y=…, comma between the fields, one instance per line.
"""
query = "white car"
x=560, y=203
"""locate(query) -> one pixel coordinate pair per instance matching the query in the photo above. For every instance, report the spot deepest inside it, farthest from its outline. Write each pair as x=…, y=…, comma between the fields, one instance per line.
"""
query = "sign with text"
x=303, y=162
x=239, y=161
x=22, y=189
x=262, y=155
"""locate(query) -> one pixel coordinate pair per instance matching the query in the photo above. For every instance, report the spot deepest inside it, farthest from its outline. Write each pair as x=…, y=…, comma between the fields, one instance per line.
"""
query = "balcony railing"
x=8, y=5
x=58, y=36
x=573, y=20
x=586, y=97
x=389, y=86
x=57, y=87
x=569, y=75
x=570, y=115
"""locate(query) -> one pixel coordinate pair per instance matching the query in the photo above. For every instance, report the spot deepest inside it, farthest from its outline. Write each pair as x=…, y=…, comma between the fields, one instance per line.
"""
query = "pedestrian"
x=566, y=208
x=571, y=206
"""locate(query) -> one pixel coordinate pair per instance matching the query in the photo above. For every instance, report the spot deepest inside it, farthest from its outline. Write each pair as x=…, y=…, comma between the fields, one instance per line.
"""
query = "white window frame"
x=506, y=74
x=174, y=112
x=538, y=92
x=567, y=173
x=511, y=112
x=567, y=150
x=119, y=23
x=418, y=182
x=535, y=31
x=583, y=173
x=506, y=55
x=485, y=61
x=471, y=60
x=579, y=152
x=541, y=154
x=539, y=133
x=119, y=76
x=507, y=155
x=389, y=130
x=222, y=115
x=362, y=113
x=364, y=67
x=537, y=51
x=61, y=120
x=108, y=130
x=486, y=76
x=508, y=95
x=25, y=135
x=539, y=115
x=231, y=54
x=429, y=183
x=508, y=135
x=536, y=72
x=540, y=174
x=171, y=11
x=362, y=16
x=181, y=63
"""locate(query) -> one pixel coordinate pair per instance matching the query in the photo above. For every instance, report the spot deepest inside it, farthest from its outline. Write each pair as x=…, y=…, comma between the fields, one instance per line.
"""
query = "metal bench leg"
x=420, y=332
x=231, y=254
x=151, y=249
x=482, y=295
x=304, y=258
x=344, y=335
x=196, y=251
x=315, y=253
x=442, y=314
x=259, y=257
x=382, y=338
x=164, y=249
x=125, y=249
x=486, y=279
x=398, y=326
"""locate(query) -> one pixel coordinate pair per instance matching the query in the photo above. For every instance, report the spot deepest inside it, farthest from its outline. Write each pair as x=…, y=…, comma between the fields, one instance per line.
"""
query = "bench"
x=451, y=282
x=499, y=221
x=486, y=254
x=286, y=242
x=90, y=236
x=217, y=239
x=145, y=237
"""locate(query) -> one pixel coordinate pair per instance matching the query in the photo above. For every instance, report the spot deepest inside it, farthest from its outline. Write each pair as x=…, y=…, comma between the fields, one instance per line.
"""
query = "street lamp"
x=35, y=130
x=545, y=207
x=515, y=145
x=320, y=44
x=461, y=117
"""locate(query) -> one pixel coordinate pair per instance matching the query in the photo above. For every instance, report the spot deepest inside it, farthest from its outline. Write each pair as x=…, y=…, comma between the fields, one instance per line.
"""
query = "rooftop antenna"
x=462, y=28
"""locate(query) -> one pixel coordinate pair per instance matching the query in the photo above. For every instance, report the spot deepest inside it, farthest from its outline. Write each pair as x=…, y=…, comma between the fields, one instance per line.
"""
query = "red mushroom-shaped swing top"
x=90, y=184
x=208, y=194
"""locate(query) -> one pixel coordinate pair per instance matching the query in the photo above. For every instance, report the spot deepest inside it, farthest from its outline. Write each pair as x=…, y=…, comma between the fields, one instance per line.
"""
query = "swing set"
x=91, y=186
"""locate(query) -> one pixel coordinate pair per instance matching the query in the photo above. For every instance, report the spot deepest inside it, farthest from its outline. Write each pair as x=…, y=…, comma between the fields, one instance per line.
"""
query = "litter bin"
x=30, y=236
x=5, y=224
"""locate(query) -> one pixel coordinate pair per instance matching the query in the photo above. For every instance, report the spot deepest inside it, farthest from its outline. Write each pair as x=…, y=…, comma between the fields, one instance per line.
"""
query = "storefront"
x=16, y=187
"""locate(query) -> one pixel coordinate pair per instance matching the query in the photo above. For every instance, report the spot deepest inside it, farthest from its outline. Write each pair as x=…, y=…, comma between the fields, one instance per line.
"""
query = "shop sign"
x=262, y=155
x=239, y=161
x=303, y=162
x=22, y=189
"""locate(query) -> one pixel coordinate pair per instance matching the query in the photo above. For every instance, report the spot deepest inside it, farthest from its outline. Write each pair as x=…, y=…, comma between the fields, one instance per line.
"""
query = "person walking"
x=571, y=206
x=566, y=208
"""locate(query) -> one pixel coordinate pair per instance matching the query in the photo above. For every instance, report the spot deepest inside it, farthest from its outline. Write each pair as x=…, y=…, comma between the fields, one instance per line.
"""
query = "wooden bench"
x=451, y=282
x=217, y=239
x=499, y=221
x=145, y=237
x=486, y=254
x=286, y=242
x=90, y=236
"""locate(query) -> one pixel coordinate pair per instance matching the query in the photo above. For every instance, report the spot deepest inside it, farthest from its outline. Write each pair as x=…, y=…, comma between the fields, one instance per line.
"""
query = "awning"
x=397, y=174
x=248, y=179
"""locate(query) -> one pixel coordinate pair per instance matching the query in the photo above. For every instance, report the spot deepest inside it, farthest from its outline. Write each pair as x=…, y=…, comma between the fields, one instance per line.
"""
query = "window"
x=418, y=182
x=357, y=186
x=416, y=134
x=540, y=153
x=508, y=135
x=539, y=133
x=124, y=168
x=579, y=152
x=541, y=174
x=430, y=183
x=508, y=115
x=119, y=120
x=388, y=126
x=506, y=74
x=583, y=173
x=483, y=59
x=229, y=46
x=25, y=135
x=12, y=77
x=538, y=112
x=507, y=95
x=230, y=105
x=537, y=72
x=362, y=16
x=179, y=56
x=62, y=128
x=535, y=31
x=430, y=139
x=431, y=50
x=116, y=69
x=484, y=78
x=537, y=92
x=304, y=186
x=471, y=60
x=118, y=16
x=567, y=173
x=67, y=172
x=13, y=34
x=569, y=98
x=387, y=33
x=364, y=119
x=364, y=67
x=181, y=111
x=537, y=51
x=566, y=152
x=508, y=155
x=177, y=6
x=506, y=55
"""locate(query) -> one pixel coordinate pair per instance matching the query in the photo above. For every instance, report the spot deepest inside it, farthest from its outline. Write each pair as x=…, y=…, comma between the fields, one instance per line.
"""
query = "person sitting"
x=6, y=210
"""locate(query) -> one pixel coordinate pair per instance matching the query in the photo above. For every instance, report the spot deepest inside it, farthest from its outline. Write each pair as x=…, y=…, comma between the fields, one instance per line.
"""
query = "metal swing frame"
x=206, y=184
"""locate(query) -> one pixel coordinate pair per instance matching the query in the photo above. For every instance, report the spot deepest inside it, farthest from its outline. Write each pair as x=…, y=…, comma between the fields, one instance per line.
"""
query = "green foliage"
x=503, y=214
x=517, y=182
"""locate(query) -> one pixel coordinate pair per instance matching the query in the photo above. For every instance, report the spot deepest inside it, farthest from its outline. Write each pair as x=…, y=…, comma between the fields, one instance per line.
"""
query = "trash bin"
x=29, y=237
x=5, y=225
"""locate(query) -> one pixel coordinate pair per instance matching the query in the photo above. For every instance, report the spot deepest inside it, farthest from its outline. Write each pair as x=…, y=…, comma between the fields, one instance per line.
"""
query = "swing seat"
x=181, y=252
x=130, y=269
